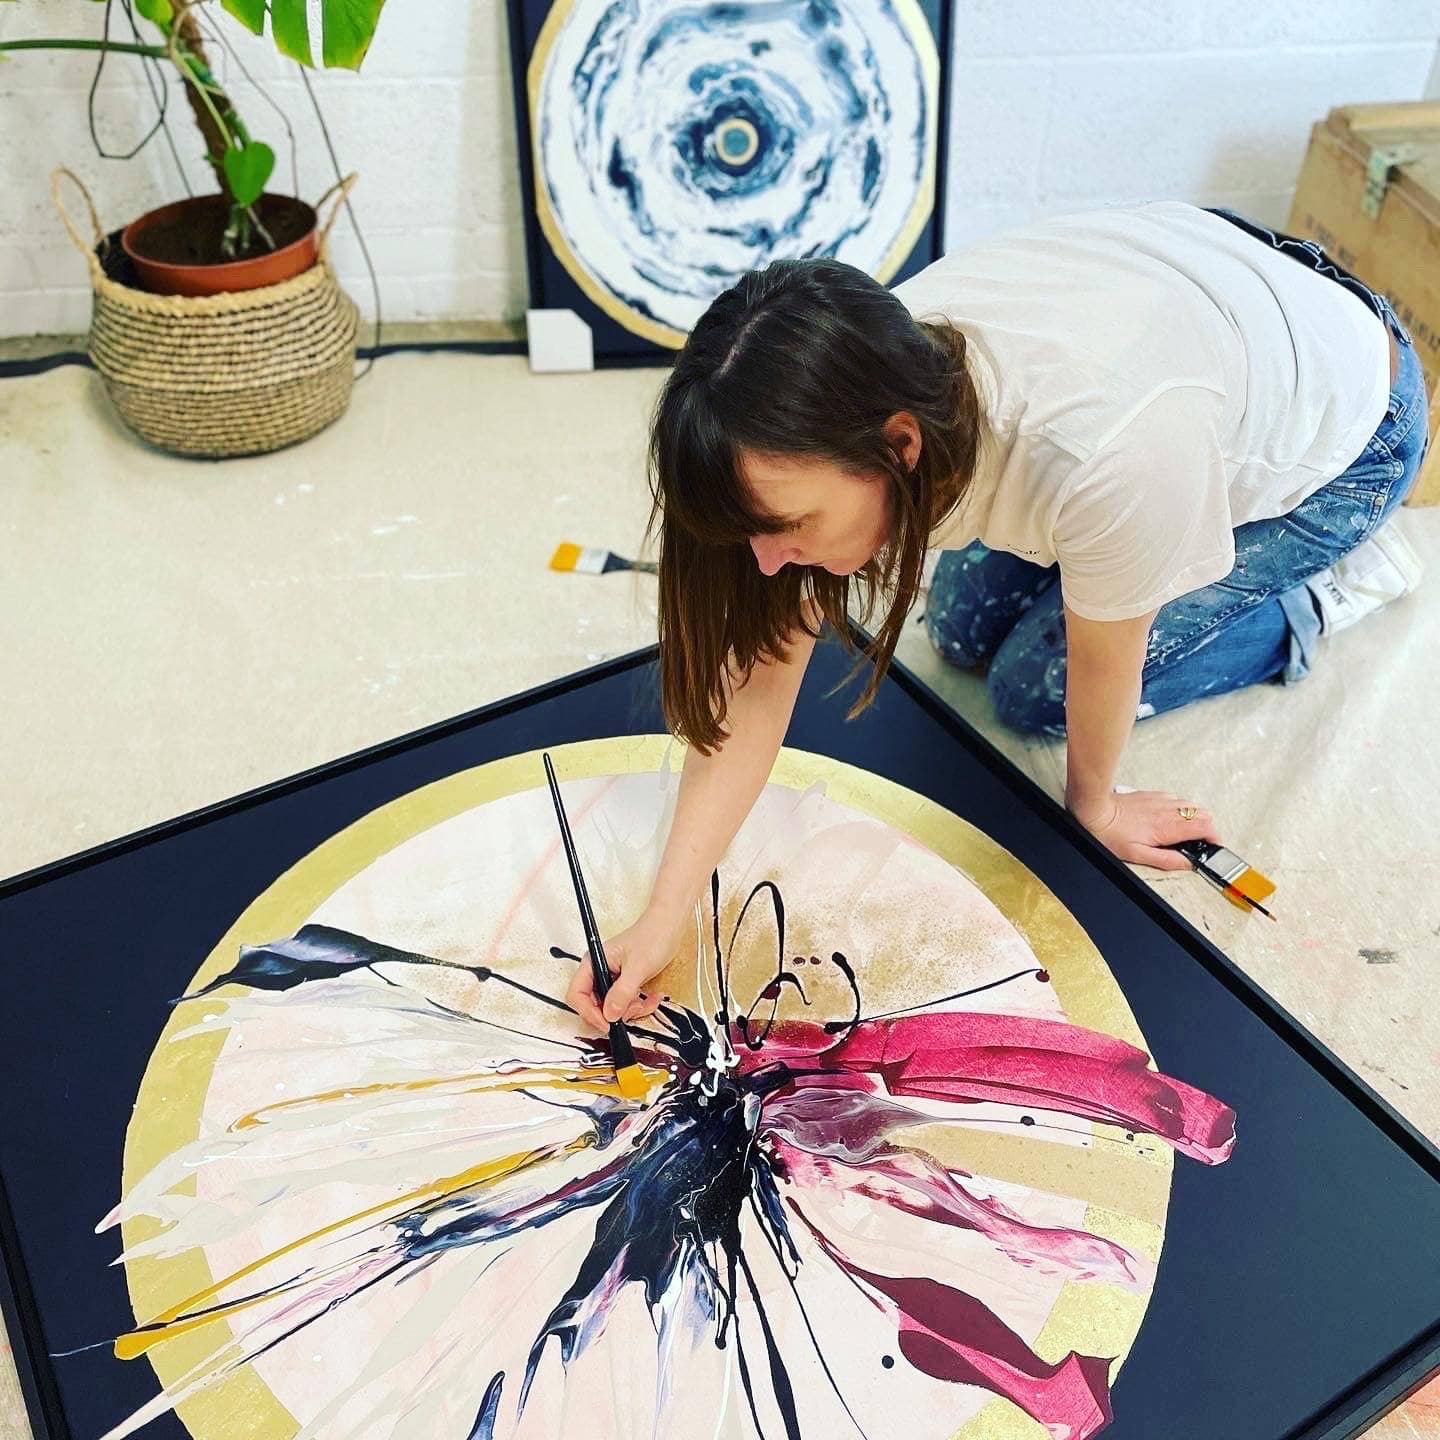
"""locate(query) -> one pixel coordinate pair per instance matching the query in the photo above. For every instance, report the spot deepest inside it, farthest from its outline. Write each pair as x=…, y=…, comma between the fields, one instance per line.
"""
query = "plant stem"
x=188, y=52
x=123, y=47
x=220, y=125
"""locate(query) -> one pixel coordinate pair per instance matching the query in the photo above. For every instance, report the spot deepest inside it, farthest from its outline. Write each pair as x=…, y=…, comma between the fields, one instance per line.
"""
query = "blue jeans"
x=987, y=607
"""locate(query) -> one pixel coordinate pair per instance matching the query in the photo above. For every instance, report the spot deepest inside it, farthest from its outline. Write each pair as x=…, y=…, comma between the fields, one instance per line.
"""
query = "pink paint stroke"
x=829, y=1127
x=953, y=1336
x=919, y=1186
x=1013, y=1060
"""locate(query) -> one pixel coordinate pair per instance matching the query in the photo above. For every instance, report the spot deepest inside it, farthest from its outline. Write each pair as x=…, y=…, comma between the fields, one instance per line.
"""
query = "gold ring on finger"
x=1188, y=812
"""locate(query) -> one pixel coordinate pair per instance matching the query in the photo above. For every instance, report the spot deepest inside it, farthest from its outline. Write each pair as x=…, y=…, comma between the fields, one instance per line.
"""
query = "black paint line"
x=943, y=999
x=779, y=1376
x=805, y=1318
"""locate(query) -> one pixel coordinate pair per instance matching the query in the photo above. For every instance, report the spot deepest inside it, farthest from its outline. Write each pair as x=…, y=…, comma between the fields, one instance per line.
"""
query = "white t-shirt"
x=1153, y=377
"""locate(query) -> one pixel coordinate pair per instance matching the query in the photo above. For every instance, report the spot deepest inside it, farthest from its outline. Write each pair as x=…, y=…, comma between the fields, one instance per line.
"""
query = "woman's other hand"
x=1136, y=825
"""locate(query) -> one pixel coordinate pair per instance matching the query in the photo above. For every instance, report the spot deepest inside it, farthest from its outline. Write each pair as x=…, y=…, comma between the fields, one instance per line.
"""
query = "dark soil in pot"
x=193, y=235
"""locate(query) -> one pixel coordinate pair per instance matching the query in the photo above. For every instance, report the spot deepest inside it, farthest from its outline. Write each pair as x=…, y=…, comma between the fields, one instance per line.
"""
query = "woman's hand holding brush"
x=636, y=956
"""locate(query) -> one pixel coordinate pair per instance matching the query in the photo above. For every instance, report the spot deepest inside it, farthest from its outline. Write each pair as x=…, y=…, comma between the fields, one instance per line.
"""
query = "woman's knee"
x=952, y=610
x=1027, y=689
x=952, y=637
x=976, y=595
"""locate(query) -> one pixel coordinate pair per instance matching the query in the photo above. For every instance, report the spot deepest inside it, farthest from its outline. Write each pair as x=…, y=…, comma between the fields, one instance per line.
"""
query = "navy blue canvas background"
x=1290, y=1273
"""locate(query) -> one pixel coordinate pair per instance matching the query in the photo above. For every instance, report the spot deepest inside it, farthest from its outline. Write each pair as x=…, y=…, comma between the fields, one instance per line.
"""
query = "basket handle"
x=341, y=190
x=85, y=248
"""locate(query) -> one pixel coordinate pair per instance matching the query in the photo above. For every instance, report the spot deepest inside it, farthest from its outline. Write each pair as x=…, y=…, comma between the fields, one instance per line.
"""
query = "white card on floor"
x=559, y=340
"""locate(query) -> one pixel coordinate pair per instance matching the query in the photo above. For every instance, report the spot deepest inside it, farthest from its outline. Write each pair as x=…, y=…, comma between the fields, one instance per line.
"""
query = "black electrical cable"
x=153, y=73
x=90, y=104
x=373, y=351
x=220, y=38
x=16, y=369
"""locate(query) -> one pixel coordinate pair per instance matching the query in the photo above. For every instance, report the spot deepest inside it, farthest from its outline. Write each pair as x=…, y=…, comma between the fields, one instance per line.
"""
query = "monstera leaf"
x=345, y=31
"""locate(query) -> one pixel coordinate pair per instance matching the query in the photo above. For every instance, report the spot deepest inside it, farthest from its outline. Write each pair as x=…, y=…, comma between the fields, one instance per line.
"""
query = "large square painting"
x=952, y=1130
x=667, y=149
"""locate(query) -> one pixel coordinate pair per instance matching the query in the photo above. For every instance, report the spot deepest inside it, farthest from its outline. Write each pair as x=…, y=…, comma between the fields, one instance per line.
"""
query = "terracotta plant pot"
x=171, y=248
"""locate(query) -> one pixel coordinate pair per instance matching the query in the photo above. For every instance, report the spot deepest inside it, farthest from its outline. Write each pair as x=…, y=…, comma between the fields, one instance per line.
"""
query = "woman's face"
x=837, y=520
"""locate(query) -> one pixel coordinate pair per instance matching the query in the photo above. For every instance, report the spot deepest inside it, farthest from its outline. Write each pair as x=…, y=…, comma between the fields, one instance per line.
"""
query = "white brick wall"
x=1057, y=105
x=1060, y=105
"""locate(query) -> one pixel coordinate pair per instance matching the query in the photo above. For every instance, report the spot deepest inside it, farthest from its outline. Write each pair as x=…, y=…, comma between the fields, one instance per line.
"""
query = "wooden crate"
x=1390, y=238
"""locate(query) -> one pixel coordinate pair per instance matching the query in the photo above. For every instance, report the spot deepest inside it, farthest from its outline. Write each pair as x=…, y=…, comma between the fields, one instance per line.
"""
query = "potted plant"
x=223, y=300
x=240, y=237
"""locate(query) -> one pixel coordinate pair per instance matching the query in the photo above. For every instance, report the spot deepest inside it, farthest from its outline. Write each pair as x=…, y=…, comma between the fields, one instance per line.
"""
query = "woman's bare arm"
x=717, y=792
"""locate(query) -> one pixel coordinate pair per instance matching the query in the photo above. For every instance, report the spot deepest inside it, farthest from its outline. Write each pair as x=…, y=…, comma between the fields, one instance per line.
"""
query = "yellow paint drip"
x=596, y=1083
x=175, y=1321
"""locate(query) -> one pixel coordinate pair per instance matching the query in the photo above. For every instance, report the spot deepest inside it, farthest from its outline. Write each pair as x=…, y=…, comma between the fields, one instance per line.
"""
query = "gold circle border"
x=911, y=19
x=1094, y=1318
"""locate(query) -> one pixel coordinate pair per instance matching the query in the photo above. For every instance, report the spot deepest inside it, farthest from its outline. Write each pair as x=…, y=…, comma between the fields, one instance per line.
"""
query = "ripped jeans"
x=988, y=607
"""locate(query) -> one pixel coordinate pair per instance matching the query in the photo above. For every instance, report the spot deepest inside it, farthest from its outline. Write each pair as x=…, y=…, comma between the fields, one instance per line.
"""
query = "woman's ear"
x=902, y=431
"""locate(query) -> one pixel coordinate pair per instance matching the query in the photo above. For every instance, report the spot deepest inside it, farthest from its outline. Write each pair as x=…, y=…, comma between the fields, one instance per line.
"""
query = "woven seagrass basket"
x=242, y=373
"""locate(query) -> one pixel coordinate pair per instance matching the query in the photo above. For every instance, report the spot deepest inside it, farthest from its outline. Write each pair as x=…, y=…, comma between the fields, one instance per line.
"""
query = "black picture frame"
x=1206, y=1020
x=552, y=286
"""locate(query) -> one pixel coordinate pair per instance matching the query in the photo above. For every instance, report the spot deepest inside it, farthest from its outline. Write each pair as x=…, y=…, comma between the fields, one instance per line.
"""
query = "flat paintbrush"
x=628, y=1074
x=1240, y=883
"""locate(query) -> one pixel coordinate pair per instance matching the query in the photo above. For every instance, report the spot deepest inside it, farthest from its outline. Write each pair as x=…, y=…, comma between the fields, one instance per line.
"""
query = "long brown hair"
x=807, y=358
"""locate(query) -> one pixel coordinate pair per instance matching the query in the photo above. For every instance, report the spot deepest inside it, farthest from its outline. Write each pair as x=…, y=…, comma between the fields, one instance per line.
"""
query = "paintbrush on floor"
x=1240, y=883
x=628, y=1074
x=594, y=560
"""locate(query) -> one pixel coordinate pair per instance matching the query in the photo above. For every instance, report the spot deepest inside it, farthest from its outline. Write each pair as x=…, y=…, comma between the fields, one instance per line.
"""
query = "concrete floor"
x=176, y=632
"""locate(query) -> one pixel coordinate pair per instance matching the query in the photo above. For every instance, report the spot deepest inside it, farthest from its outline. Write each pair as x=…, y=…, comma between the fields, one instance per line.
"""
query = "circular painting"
x=677, y=147
x=901, y=1166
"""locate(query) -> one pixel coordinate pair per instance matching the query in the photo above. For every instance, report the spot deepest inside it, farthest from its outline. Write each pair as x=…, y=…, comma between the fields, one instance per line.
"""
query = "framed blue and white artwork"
x=667, y=148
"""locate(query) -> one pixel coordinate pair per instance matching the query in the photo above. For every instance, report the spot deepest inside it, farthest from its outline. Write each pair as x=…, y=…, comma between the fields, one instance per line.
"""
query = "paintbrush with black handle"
x=628, y=1074
x=1239, y=881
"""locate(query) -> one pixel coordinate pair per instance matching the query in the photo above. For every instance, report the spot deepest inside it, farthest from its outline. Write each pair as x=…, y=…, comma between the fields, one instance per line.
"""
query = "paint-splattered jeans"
x=987, y=607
